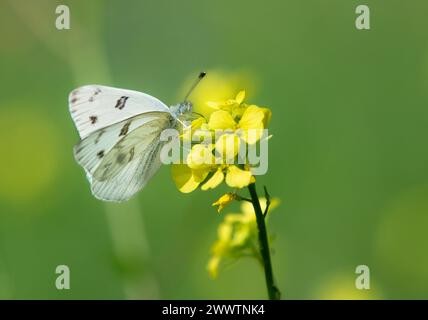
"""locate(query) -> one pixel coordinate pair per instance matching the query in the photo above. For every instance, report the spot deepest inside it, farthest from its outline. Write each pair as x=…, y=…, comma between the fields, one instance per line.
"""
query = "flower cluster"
x=216, y=156
x=237, y=237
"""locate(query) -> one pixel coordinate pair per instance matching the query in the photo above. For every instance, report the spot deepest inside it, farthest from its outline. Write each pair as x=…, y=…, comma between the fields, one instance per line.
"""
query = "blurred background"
x=348, y=157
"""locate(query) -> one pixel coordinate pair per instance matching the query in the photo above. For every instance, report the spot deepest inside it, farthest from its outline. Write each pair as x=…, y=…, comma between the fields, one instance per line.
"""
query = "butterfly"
x=120, y=132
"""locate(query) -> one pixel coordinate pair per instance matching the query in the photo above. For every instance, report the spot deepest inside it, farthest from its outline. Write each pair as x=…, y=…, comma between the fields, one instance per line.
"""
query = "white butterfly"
x=120, y=137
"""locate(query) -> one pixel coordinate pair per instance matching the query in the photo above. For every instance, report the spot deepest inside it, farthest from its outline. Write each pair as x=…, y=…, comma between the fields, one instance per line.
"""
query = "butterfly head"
x=182, y=108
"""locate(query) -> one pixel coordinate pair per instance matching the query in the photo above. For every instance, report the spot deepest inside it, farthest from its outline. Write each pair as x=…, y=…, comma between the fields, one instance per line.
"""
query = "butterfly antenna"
x=200, y=77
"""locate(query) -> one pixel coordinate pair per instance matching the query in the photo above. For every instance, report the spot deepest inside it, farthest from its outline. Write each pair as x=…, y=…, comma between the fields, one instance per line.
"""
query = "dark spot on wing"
x=93, y=119
x=74, y=100
x=97, y=91
x=121, y=158
x=100, y=154
x=124, y=129
x=106, y=168
x=120, y=104
x=131, y=154
x=97, y=139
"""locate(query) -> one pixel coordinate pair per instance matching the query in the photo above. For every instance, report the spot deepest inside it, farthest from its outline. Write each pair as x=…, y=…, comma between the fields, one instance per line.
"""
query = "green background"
x=348, y=158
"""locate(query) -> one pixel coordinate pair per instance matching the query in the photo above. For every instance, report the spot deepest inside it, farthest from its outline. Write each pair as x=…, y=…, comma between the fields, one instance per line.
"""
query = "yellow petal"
x=201, y=157
x=212, y=104
x=242, y=234
x=247, y=208
x=237, y=178
x=267, y=116
x=214, y=181
x=227, y=146
x=183, y=178
x=199, y=175
x=240, y=96
x=230, y=102
x=221, y=120
x=251, y=136
x=212, y=266
x=252, y=118
x=224, y=232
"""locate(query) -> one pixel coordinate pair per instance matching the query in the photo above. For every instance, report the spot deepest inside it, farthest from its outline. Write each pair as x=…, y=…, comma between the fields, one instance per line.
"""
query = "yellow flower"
x=250, y=125
x=220, y=248
x=237, y=236
x=213, y=265
x=239, y=124
x=248, y=210
x=234, y=107
x=229, y=104
x=224, y=200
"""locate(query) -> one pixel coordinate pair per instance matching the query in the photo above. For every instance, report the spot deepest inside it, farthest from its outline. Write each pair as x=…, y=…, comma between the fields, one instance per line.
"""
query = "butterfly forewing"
x=94, y=107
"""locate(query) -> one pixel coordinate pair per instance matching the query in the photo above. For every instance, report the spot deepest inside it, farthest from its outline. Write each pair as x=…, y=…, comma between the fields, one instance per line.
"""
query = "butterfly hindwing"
x=90, y=151
x=133, y=145
x=131, y=163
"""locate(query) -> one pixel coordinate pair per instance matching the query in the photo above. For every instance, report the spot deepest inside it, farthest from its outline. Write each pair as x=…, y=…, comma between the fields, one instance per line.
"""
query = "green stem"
x=273, y=292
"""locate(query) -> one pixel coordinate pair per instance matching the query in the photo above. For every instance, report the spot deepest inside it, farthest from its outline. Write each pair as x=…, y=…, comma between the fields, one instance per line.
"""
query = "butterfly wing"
x=120, y=143
x=121, y=165
x=94, y=107
x=90, y=151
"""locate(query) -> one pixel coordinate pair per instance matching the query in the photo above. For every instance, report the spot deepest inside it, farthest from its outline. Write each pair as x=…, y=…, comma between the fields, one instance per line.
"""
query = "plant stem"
x=273, y=291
